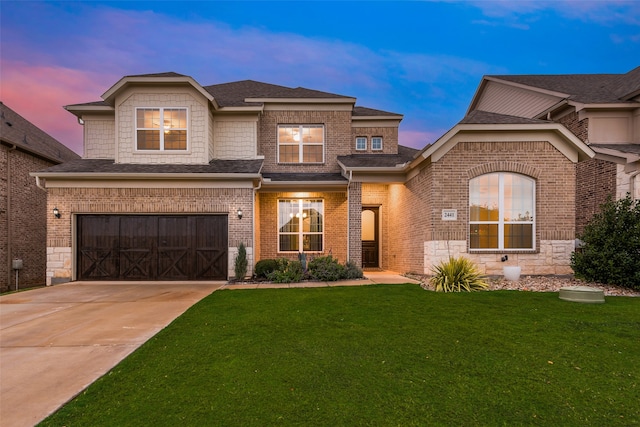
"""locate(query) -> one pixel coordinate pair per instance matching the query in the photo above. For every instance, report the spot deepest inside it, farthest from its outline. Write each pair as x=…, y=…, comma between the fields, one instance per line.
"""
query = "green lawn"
x=386, y=355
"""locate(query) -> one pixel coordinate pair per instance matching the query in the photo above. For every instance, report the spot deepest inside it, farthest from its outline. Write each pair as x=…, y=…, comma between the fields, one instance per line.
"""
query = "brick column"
x=355, y=222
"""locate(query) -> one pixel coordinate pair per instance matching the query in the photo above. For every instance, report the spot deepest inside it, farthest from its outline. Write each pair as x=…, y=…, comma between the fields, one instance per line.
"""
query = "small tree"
x=611, y=251
x=240, y=264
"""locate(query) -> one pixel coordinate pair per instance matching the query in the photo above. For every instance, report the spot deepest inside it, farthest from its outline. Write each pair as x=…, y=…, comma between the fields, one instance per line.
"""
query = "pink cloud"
x=38, y=93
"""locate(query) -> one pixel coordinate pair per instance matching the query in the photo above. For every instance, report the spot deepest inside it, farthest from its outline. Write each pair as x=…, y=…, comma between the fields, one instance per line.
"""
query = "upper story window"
x=161, y=129
x=501, y=212
x=300, y=225
x=301, y=144
x=361, y=143
x=376, y=143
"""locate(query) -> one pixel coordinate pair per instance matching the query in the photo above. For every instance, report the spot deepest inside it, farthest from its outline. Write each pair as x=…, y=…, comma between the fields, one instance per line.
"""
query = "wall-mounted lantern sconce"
x=239, y=213
x=56, y=212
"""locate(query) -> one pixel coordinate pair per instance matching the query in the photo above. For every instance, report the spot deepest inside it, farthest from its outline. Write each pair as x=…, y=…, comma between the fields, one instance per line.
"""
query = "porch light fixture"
x=239, y=213
x=56, y=212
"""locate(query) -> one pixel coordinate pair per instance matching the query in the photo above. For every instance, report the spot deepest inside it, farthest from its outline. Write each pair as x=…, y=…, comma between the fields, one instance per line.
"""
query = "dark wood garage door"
x=149, y=247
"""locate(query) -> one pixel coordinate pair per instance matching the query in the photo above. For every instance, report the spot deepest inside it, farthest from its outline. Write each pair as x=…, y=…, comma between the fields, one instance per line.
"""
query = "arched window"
x=502, y=212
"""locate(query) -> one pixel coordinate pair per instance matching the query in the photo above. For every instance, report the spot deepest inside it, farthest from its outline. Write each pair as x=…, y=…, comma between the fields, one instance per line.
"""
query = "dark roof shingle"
x=480, y=117
x=18, y=131
x=405, y=154
x=233, y=94
x=106, y=166
x=586, y=88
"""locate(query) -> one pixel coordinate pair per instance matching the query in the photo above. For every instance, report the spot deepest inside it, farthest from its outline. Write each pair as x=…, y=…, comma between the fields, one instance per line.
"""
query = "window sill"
x=503, y=251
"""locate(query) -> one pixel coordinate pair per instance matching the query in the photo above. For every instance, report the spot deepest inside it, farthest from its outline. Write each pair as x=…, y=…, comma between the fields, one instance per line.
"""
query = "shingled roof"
x=108, y=166
x=586, y=88
x=18, y=131
x=479, y=117
x=235, y=93
x=405, y=154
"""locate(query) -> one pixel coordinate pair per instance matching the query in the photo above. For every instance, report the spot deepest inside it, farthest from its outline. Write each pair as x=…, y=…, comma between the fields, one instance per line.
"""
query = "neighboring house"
x=23, y=207
x=176, y=175
x=603, y=110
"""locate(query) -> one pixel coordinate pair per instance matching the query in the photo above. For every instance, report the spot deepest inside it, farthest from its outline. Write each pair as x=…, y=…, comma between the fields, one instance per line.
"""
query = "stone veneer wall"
x=335, y=224
x=23, y=219
x=553, y=257
x=72, y=201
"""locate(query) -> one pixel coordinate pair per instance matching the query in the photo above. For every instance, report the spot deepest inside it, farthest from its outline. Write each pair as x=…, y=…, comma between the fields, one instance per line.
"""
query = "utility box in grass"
x=584, y=294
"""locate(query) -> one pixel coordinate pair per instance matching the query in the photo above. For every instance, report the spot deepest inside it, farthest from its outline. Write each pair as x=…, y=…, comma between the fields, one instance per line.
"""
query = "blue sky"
x=422, y=59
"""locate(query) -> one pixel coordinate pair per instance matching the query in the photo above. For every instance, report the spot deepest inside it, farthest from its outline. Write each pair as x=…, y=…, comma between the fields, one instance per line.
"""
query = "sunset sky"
x=423, y=59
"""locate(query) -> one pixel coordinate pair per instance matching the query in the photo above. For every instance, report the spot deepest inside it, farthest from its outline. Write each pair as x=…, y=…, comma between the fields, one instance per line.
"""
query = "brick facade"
x=23, y=216
x=73, y=201
x=389, y=137
x=335, y=224
x=596, y=179
x=445, y=185
x=337, y=132
x=596, y=182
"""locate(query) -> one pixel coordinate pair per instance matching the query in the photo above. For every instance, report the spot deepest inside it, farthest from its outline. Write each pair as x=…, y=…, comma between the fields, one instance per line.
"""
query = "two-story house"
x=176, y=175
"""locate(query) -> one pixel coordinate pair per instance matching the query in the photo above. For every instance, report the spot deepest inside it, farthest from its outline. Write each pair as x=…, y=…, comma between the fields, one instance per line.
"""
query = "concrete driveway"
x=56, y=341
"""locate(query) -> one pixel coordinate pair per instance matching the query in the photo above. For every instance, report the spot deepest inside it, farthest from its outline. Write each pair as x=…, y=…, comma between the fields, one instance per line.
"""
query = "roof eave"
x=584, y=151
x=397, y=117
x=79, y=110
x=143, y=175
x=125, y=81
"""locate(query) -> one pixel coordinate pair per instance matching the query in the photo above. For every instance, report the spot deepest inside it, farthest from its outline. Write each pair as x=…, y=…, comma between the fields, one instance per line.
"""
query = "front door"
x=370, y=241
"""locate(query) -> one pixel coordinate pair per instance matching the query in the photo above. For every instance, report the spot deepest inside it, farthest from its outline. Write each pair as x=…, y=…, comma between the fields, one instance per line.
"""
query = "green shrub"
x=287, y=272
x=264, y=267
x=240, y=264
x=457, y=275
x=611, y=251
x=352, y=271
x=326, y=269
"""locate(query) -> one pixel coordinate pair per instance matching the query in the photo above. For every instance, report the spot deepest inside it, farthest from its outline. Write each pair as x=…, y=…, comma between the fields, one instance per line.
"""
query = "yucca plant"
x=457, y=275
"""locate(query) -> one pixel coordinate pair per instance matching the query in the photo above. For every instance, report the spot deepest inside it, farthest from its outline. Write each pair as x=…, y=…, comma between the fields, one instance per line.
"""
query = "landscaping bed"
x=540, y=284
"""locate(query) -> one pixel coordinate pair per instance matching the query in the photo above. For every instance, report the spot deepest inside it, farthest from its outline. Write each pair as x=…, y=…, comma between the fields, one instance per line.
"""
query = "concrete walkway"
x=56, y=341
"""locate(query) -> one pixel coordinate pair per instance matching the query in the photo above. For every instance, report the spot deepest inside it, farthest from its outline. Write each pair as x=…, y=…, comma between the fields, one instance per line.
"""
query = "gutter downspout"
x=349, y=215
x=253, y=227
x=9, y=191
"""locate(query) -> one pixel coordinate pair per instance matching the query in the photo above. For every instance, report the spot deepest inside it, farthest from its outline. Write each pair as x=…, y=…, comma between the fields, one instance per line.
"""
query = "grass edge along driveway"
x=377, y=355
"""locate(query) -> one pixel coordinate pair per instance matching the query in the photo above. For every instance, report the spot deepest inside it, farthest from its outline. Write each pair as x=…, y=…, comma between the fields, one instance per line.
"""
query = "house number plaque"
x=449, y=214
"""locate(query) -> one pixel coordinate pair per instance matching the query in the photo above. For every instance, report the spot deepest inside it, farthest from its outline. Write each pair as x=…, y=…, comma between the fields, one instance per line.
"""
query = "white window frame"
x=300, y=233
x=374, y=140
x=501, y=222
x=301, y=144
x=361, y=139
x=161, y=130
